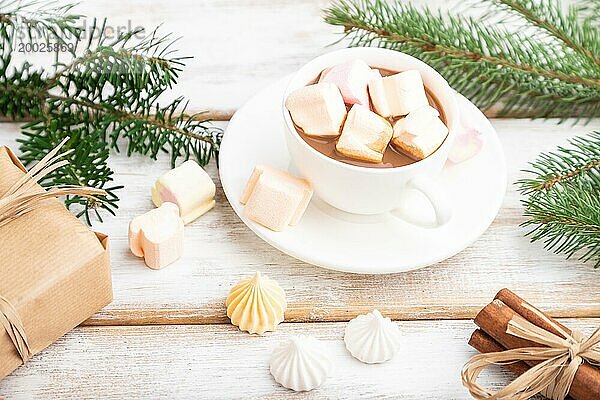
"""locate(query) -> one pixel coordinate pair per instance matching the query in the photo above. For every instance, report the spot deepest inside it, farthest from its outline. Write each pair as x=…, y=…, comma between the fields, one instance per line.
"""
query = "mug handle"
x=436, y=196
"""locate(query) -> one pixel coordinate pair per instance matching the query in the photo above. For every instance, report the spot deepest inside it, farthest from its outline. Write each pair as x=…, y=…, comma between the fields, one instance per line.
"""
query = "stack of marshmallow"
x=364, y=132
x=181, y=195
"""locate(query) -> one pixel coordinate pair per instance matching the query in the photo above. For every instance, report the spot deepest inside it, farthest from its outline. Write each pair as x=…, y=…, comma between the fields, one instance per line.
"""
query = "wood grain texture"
x=220, y=250
x=219, y=362
x=239, y=47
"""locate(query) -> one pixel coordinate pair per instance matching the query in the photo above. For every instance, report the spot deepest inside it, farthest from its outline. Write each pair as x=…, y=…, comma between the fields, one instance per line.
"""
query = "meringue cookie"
x=365, y=135
x=188, y=186
x=397, y=94
x=351, y=78
x=275, y=199
x=318, y=109
x=420, y=133
x=371, y=338
x=157, y=236
x=256, y=304
x=301, y=363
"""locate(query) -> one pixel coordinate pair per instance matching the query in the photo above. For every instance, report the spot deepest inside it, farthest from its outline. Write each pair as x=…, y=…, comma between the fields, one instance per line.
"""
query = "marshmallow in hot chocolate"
x=420, y=133
x=398, y=94
x=317, y=109
x=275, y=199
x=365, y=135
x=351, y=78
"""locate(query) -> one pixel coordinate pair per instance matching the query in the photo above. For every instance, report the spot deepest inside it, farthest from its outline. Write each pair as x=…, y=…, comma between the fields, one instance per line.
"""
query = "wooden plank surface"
x=220, y=250
x=240, y=47
x=219, y=362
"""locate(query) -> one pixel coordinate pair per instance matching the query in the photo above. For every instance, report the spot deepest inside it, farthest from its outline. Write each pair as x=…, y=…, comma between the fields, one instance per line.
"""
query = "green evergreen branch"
x=487, y=62
x=589, y=11
x=565, y=26
x=563, y=198
x=37, y=20
x=106, y=95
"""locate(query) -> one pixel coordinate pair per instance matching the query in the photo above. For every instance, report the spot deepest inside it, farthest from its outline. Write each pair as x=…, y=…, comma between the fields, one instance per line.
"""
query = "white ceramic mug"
x=361, y=190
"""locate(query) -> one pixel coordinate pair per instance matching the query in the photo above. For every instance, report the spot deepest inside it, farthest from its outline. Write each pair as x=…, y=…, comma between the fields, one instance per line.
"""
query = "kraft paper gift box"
x=54, y=273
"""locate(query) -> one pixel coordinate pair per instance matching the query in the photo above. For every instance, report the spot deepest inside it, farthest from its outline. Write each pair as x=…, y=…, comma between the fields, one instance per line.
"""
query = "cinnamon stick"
x=523, y=308
x=484, y=343
x=494, y=318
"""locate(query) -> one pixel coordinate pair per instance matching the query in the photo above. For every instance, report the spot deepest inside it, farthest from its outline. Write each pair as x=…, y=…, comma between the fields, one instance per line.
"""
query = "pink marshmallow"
x=466, y=145
x=157, y=236
x=352, y=78
x=468, y=142
x=275, y=199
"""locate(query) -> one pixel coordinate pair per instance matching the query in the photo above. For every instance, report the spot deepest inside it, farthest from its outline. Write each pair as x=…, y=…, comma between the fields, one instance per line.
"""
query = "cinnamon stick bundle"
x=493, y=320
x=484, y=343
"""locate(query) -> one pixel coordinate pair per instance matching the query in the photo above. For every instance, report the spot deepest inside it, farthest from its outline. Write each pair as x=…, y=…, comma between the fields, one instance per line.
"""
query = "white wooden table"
x=166, y=334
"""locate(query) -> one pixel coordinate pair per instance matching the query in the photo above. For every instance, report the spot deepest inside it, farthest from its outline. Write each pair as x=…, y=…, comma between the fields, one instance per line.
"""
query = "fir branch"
x=564, y=26
x=487, y=63
x=35, y=21
x=589, y=11
x=563, y=198
x=107, y=94
x=87, y=165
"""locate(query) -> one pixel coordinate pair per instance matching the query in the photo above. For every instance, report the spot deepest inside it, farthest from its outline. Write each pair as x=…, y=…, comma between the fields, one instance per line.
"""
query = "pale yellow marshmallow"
x=420, y=133
x=318, y=109
x=157, y=236
x=398, y=94
x=365, y=135
x=275, y=199
x=188, y=186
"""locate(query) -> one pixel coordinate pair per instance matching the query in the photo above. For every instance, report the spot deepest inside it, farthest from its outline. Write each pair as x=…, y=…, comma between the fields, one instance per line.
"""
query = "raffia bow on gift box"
x=47, y=284
x=559, y=360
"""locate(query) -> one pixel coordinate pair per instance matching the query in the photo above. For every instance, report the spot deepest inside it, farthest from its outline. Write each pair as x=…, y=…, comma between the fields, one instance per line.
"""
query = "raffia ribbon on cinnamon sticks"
x=552, y=377
x=20, y=199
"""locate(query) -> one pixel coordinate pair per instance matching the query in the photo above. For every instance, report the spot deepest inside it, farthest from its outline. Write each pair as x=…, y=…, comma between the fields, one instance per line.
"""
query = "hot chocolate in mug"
x=361, y=190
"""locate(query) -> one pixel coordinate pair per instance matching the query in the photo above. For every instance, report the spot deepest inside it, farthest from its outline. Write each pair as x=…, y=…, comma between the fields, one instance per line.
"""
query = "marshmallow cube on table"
x=351, y=78
x=157, y=236
x=275, y=199
x=317, y=109
x=398, y=94
x=420, y=133
x=188, y=186
x=365, y=135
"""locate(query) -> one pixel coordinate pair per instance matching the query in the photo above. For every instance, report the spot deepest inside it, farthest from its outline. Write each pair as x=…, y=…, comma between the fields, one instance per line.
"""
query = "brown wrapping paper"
x=53, y=270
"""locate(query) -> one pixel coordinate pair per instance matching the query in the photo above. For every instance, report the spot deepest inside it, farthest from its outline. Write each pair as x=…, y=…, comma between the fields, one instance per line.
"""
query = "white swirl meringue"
x=256, y=304
x=301, y=363
x=372, y=338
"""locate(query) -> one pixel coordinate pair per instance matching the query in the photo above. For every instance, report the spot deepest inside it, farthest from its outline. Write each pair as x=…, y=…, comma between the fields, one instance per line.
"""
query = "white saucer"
x=346, y=242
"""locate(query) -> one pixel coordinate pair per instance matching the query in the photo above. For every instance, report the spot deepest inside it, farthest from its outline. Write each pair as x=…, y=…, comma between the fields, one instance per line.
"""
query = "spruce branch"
x=589, y=11
x=563, y=198
x=487, y=62
x=563, y=26
x=106, y=94
x=37, y=20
